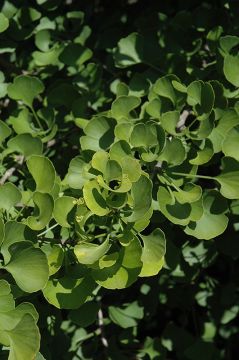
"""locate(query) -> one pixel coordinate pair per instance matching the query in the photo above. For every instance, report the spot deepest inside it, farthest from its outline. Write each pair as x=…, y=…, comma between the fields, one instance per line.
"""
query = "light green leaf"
x=231, y=142
x=228, y=120
x=5, y=131
x=24, y=339
x=44, y=208
x=122, y=107
x=28, y=266
x=204, y=154
x=25, y=88
x=55, y=257
x=123, y=130
x=153, y=108
x=128, y=52
x=7, y=302
x=153, y=253
x=78, y=173
x=189, y=194
x=142, y=197
x=213, y=221
x=144, y=135
x=174, y=211
x=169, y=121
x=25, y=144
x=22, y=123
x=43, y=172
x=119, y=150
x=99, y=134
x=120, y=269
x=131, y=167
x=174, y=152
x=100, y=160
x=50, y=57
x=62, y=208
x=164, y=88
x=201, y=97
x=229, y=178
x=230, y=68
x=2, y=231
x=126, y=317
x=14, y=232
x=69, y=293
x=228, y=42
x=10, y=195
x=4, y=22
x=88, y=253
x=94, y=199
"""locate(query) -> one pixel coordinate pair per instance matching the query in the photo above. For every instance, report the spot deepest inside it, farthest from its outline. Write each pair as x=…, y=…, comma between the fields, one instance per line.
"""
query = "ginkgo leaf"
x=153, y=253
x=25, y=88
x=28, y=266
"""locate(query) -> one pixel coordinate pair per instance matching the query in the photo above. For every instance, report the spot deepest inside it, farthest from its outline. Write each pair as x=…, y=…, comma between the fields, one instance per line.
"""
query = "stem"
x=192, y=123
x=100, y=235
x=193, y=175
x=37, y=118
x=46, y=231
x=154, y=67
x=24, y=206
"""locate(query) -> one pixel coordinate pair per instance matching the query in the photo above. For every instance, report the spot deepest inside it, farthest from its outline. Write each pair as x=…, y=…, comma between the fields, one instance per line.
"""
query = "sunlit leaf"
x=28, y=266
x=25, y=88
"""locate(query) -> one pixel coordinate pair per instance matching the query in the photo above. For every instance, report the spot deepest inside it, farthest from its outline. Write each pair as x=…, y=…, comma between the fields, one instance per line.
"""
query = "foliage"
x=119, y=171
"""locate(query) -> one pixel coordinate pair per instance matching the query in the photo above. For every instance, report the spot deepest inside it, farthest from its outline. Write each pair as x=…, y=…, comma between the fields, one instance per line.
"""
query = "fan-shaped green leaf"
x=43, y=173
x=24, y=339
x=142, y=197
x=14, y=232
x=153, y=253
x=230, y=68
x=129, y=51
x=99, y=134
x=25, y=144
x=119, y=270
x=44, y=209
x=78, y=173
x=174, y=152
x=28, y=266
x=4, y=22
x=94, y=199
x=55, y=257
x=229, y=119
x=88, y=253
x=201, y=97
x=229, y=178
x=126, y=317
x=169, y=121
x=203, y=155
x=7, y=302
x=69, y=293
x=122, y=107
x=25, y=88
x=231, y=142
x=5, y=131
x=10, y=195
x=172, y=209
x=62, y=208
x=213, y=221
x=2, y=231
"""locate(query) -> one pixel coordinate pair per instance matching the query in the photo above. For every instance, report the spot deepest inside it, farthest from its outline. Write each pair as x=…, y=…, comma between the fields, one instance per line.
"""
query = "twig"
x=182, y=120
x=101, y=328
x=10, y=172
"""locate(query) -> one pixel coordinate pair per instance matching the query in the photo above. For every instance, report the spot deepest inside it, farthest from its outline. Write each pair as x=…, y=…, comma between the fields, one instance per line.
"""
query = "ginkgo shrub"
x=119, y=170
